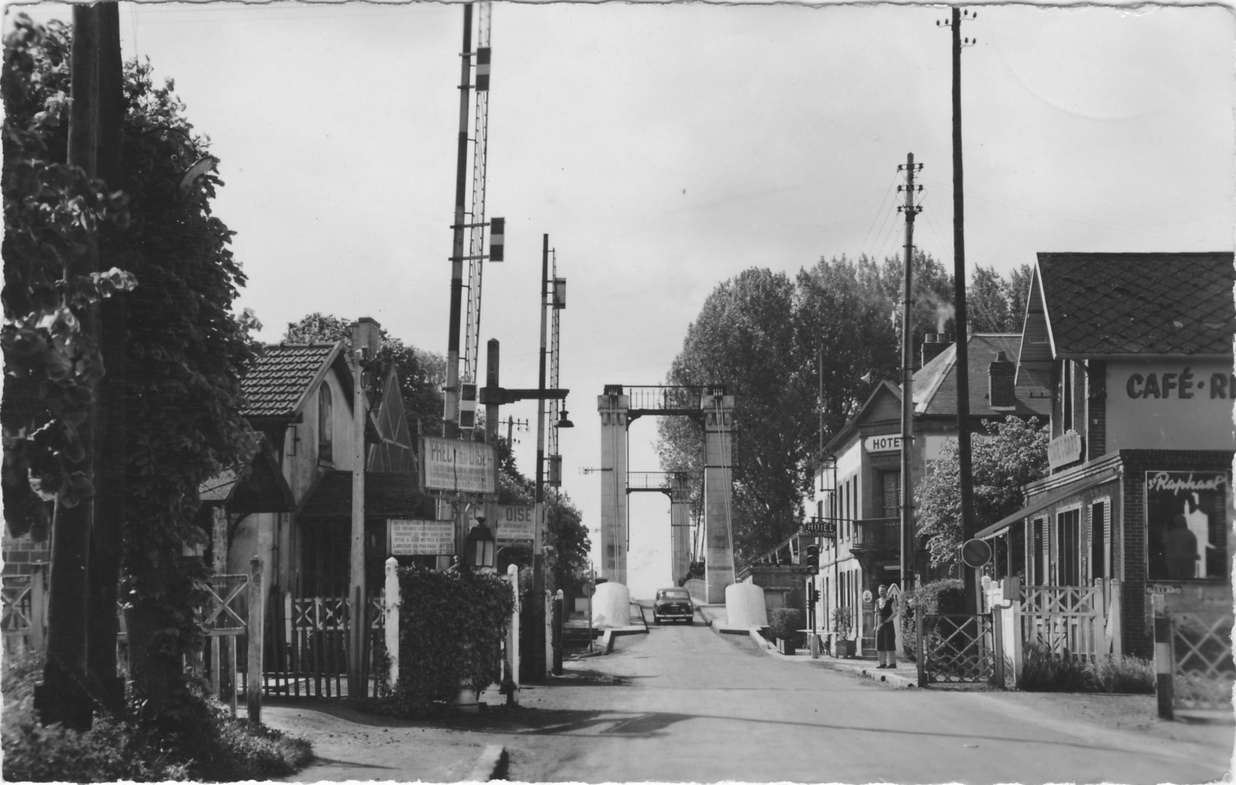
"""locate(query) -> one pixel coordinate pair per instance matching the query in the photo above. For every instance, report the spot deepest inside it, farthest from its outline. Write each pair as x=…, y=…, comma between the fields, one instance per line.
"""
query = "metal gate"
x=1193, y=660
x=958, y=648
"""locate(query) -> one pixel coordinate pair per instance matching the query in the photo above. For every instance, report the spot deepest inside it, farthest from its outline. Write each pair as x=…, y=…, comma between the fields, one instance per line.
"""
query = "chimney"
x=1000, y=382
x=933, y=344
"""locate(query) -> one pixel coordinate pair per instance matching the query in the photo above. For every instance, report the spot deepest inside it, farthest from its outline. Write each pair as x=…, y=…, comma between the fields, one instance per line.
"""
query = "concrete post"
x=512, y=639
x=390, y=609
x=613, y=410
x=718, y=413
x=680, y=527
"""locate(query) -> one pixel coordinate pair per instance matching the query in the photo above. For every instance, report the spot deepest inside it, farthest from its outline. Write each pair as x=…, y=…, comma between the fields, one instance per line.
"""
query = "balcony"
x=877, y=534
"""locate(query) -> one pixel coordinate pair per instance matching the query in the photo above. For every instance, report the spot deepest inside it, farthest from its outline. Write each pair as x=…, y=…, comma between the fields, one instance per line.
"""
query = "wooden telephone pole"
x=907, y=378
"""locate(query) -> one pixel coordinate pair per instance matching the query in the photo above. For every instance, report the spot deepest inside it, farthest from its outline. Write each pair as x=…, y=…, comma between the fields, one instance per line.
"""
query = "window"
x=1068, y=547
x=1100, y=534
x=326, y=425
x=889, y=497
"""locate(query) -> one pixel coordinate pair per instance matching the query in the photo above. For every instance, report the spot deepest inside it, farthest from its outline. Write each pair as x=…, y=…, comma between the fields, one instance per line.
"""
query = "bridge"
x=707, y=405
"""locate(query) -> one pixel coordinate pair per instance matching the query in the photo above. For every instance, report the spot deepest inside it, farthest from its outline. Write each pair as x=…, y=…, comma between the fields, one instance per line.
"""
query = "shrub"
x=209, y=745
x=1045, y=671
x=786, y=624
x=1124, y=674
x=451, y=628
x=943, y=596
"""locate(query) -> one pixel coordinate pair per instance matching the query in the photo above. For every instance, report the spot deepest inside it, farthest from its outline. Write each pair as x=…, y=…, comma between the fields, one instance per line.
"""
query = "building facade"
x=1137, y=350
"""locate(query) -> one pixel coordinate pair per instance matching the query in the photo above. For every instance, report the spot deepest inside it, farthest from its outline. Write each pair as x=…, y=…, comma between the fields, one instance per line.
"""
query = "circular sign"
x=976, y=553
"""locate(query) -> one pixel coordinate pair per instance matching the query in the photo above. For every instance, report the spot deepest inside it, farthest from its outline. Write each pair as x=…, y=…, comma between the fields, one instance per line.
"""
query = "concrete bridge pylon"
x=614, y=411
x=718, y=411
x=680, y=526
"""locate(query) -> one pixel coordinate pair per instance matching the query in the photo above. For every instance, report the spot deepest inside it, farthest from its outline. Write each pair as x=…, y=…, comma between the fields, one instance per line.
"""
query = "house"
x=1137, y=351
x=291, y=506
x=857, y=476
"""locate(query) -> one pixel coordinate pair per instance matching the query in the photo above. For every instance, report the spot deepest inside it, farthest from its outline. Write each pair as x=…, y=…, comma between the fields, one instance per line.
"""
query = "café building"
x=1137, y=351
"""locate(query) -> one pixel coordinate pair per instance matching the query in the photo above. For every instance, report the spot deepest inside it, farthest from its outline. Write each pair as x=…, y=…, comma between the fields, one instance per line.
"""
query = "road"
x=686, y=704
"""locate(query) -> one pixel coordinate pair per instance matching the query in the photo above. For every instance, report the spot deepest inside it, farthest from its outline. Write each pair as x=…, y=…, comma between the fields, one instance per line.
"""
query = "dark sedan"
x=673, y=604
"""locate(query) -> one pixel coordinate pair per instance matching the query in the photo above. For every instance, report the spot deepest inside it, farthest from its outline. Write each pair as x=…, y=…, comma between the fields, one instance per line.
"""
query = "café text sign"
x=421, y=538
x=512, y=522
x=888, y=443
x=452, y=465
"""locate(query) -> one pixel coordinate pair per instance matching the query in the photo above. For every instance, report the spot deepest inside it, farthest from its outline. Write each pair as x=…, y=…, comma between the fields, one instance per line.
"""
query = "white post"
x=391, y=622
x=512, y=636
x=547, y=602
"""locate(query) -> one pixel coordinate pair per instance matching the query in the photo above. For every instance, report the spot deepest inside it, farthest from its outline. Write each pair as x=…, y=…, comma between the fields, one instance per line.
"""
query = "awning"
x=1043, y=502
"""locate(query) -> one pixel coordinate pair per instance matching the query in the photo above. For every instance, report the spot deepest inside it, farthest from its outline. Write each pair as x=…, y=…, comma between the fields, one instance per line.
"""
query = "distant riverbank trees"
x=793, y=352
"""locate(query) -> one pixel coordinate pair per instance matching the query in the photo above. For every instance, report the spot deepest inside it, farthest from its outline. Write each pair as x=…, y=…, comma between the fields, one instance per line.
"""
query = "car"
x=673, y=604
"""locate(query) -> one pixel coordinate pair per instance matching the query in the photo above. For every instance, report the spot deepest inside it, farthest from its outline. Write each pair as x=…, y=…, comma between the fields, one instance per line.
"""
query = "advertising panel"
x=1186, y=525
x=421, y=538
x=451, y=465
x=512, y=522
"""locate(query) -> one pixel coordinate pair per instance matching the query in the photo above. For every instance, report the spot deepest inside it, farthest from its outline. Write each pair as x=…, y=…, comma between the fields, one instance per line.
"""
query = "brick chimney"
x=933, y=344
x=1000, y=375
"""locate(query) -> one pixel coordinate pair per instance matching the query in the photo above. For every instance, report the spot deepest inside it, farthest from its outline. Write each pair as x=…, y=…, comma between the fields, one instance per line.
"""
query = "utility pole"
x=964, y=462
x=907, y=376
x=365, y=337
x=537, y=660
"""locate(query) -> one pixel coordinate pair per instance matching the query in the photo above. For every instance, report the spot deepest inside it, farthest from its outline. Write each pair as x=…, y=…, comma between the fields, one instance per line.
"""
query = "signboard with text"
x=460, y=466
x=421, y=538
x=887, y=443
x=820, y=527
x=512, y=522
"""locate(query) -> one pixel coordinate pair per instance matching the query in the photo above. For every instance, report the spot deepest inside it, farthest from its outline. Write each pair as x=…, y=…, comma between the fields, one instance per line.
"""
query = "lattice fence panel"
x=957, y=649
x=1204, y=671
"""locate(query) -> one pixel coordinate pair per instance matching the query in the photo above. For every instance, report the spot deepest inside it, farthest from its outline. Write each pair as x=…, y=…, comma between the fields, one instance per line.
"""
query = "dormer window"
x=326, y=425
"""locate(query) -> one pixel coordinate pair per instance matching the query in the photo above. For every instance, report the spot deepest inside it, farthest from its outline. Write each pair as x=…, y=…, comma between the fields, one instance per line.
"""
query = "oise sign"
x=452, y=465
x=512, y=522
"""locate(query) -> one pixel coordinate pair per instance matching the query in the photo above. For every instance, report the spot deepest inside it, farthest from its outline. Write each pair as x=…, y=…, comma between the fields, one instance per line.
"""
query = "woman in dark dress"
x=886, y=632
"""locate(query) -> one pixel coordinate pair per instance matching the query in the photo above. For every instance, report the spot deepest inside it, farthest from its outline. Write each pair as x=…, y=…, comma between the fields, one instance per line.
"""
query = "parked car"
x=673, y=604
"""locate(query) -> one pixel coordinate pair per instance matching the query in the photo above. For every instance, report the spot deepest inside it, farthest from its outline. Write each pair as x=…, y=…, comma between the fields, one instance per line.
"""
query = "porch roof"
x=1043, y=502
x=387, y=495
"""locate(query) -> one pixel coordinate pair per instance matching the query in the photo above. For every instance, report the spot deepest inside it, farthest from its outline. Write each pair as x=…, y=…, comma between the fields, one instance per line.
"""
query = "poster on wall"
x=1186, y=525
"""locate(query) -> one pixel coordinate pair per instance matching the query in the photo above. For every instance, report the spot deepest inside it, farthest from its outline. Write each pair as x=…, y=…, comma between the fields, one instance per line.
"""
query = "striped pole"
x=1163, y=661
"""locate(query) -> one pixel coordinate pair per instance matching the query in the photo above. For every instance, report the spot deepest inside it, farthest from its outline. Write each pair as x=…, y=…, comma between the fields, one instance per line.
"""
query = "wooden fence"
x=24, y=615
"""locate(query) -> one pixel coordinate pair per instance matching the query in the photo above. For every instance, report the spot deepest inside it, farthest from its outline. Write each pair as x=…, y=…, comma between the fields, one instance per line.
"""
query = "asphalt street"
x=686, y=704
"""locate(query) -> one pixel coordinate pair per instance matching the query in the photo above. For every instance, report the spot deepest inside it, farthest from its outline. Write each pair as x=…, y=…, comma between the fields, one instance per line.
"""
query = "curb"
x=490, y=765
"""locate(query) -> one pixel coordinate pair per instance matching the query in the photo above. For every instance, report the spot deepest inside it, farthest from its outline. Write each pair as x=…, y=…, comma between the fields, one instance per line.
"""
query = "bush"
x=943, y=596
x=1123, y=674
x=451, y=628
x=211, y=745
x=1045, y=671
x=786, y=624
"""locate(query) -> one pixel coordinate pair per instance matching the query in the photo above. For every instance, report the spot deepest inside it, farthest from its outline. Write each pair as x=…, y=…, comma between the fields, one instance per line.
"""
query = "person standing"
x=886, y=632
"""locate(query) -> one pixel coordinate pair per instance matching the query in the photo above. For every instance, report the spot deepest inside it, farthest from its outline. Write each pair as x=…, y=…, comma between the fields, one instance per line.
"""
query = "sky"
x=664, y=148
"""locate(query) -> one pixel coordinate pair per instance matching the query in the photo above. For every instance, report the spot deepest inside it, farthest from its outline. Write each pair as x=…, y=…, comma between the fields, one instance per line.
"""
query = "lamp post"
x=479, y=551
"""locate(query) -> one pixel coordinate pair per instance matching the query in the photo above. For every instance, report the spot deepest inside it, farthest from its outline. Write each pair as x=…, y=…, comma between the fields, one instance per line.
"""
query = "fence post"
x=38, y=608
x=1163, y=664
x=918, y=646
x=997, y=644
x=512, y=639
x=253, y=693
x=1115, y=611
x=391, y=623
x=559, y=610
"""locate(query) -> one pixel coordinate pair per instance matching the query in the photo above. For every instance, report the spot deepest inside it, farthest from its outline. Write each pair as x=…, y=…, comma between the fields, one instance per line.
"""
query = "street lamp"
x=479, y=546
x=563, y=421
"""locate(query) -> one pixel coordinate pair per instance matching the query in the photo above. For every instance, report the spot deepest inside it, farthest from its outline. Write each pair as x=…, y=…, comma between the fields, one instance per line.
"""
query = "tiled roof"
x=935, y=384
x=282, y=375
x=1104, y=304
x=387, y=495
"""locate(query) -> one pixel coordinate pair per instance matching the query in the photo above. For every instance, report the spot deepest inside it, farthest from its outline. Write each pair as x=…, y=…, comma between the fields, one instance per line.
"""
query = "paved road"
x=685, y=704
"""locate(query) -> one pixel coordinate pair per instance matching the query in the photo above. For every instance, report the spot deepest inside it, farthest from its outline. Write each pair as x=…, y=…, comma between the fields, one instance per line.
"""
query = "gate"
x=308, y=652
x=24, y=610
x=958, y=648
x=226, y=620
x=1074, y=621
x=1193, y=660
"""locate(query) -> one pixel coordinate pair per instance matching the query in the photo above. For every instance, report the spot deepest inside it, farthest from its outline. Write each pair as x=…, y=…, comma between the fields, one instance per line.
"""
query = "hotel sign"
x=460, y=466
x=887, y=443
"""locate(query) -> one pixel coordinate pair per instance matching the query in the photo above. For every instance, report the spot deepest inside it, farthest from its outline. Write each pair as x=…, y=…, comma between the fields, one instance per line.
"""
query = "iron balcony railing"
x=873, y=534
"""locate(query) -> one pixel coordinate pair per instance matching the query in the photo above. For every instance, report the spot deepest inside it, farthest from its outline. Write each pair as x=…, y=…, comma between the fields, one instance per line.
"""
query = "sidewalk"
x=904, y=675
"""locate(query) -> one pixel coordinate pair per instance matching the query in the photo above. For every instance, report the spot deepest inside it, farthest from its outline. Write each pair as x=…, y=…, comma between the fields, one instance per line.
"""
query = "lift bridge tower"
x=714, y=411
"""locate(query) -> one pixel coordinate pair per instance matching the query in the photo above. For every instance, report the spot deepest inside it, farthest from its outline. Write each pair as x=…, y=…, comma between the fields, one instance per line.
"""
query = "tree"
x=566, y=542
x=1007, y=456
x=184, y=348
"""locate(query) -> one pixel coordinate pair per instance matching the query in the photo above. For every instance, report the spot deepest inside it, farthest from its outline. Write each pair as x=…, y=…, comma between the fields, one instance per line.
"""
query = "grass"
x=222, y=748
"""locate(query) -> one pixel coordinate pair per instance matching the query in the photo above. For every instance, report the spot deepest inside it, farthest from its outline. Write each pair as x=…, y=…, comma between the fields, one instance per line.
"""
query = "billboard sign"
x=512, y=522
x=421, y=538
x=453, y=465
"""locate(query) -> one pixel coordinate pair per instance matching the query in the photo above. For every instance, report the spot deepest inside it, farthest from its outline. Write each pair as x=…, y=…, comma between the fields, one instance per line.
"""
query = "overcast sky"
x=665, y=148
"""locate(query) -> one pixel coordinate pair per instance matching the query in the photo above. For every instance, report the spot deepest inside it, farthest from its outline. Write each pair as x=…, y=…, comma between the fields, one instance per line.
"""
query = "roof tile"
x=279, y=378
